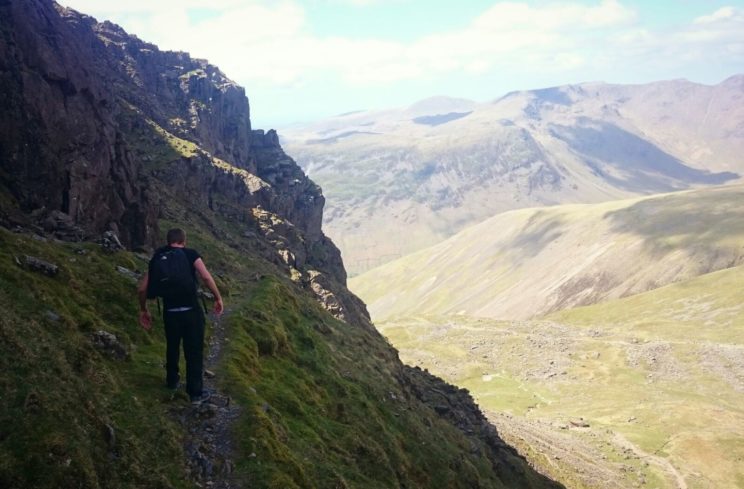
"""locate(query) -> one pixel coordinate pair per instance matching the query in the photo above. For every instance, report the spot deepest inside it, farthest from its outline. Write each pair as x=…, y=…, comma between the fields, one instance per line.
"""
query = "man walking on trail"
x=172, y=276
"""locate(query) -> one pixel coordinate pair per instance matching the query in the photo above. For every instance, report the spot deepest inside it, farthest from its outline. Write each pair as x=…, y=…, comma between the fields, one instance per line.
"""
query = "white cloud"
x=271, y=42
x=723, y=13
x=710, y=40
x=363, y=3
x=520, y=15
x=609, y=12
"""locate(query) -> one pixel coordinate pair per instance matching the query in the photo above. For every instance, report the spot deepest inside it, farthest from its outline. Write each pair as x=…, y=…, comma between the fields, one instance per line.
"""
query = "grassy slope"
x=670, y=360
x=317, y=394
x=59, y=393
x=321, y=405
x=526, y=263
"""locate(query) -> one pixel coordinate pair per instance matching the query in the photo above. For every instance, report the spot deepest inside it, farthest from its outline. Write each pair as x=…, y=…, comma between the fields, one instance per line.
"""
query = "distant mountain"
x=400, y=180
x=526, y=263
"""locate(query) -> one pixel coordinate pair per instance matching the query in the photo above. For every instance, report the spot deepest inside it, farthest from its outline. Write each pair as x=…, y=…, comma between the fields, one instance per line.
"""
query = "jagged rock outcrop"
x=301, y=200
x=189, y=97
x=60, y=149
x=85, y=108
x=457, y=406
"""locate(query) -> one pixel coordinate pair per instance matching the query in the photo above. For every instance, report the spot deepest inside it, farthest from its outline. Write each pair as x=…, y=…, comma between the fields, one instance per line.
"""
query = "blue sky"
x=304, y=60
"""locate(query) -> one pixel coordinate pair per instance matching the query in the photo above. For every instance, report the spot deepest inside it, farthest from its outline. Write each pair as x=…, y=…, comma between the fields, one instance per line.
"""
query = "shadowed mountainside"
x=526, y=263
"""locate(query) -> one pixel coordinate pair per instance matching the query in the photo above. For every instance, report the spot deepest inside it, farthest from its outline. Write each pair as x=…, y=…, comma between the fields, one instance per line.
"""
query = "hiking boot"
x=202, y=398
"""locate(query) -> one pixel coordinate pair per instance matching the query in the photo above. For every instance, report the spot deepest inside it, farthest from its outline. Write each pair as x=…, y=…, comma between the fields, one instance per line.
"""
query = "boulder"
x=110, y=242
x=38, y=265
x=110, y=345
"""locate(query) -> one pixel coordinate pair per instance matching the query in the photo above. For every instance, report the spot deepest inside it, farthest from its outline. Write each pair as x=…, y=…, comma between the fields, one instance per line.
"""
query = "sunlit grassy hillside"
x=322, y=403
x=646, y=390
x=527, y=263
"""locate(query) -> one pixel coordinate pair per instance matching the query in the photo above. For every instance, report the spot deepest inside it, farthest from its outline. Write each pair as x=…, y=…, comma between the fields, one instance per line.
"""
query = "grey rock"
x=52, y=316
x=441, y=409
x=39, y=265
x=110, y=434
x=205, y=294
x=579, y=423
x=110, y=242
x=110, y=345
x=130, y=274
x=206, y=410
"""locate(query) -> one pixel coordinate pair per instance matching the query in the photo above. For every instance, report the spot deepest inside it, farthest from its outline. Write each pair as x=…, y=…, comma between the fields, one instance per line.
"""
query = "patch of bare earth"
x=569, y=452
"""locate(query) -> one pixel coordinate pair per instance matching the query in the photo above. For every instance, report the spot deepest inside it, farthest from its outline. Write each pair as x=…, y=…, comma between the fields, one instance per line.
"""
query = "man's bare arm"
x=201, y=268
x=144, y=318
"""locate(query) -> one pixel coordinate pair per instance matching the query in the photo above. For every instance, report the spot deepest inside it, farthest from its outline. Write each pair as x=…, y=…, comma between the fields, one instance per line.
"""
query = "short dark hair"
x=176, y=235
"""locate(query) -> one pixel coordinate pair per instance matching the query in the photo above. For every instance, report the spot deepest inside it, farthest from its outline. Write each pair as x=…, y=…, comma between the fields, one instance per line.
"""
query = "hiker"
x=172, y=276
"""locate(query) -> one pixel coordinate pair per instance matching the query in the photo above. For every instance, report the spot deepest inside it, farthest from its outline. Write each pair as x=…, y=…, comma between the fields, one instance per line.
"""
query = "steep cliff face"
x=188, y=97
x=60, y=148
x=68, y=80
x=98, y=131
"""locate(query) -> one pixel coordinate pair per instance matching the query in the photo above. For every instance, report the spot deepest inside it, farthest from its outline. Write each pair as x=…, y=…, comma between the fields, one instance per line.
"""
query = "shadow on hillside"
x=698, y=221
x=538, y=233
x=457, y=406
x=641, y=166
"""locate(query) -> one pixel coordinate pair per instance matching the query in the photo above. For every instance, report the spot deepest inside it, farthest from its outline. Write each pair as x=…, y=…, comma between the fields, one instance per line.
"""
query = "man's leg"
x=173, y=334
x=193, y=348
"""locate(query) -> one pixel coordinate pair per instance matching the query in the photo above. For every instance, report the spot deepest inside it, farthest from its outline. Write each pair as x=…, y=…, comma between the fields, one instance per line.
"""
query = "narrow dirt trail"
x=566, y=458
x=661, y=462
x=208, y=445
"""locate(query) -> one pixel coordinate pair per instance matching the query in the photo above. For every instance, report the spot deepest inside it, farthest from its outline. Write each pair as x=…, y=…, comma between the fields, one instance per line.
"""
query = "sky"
x=303, y=60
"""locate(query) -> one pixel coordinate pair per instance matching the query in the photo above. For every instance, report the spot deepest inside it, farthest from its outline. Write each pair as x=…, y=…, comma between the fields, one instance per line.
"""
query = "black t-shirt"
x=190, y=300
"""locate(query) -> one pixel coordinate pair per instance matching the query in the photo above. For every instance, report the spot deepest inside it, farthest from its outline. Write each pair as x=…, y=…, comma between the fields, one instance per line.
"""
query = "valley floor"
x=645, y=391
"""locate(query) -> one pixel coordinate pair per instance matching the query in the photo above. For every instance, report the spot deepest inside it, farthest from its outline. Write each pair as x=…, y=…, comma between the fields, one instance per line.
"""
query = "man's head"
x=176, y=236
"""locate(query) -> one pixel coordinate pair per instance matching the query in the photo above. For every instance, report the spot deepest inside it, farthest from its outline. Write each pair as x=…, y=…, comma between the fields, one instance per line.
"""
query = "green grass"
x=319, y=411
x=527, y=263
x=708, y=308
x=60, y=394
x=152, y=144
x=316, y=394
x=640, y=358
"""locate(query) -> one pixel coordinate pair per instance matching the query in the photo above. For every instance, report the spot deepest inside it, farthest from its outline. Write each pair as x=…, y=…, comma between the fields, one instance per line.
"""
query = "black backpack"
x=171, y=276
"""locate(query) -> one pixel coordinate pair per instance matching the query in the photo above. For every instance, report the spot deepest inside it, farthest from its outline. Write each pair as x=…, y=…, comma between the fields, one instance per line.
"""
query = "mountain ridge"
x=529, y=262
x=581, y=143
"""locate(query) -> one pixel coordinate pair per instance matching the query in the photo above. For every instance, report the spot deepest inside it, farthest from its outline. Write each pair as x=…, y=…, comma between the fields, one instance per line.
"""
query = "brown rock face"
x=87, y=110
x=188, y=97
x=301, y=199
x=60, y=149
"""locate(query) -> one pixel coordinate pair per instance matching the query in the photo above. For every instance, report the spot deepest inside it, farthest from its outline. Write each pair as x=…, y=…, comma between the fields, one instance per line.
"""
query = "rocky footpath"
x=208, y=445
